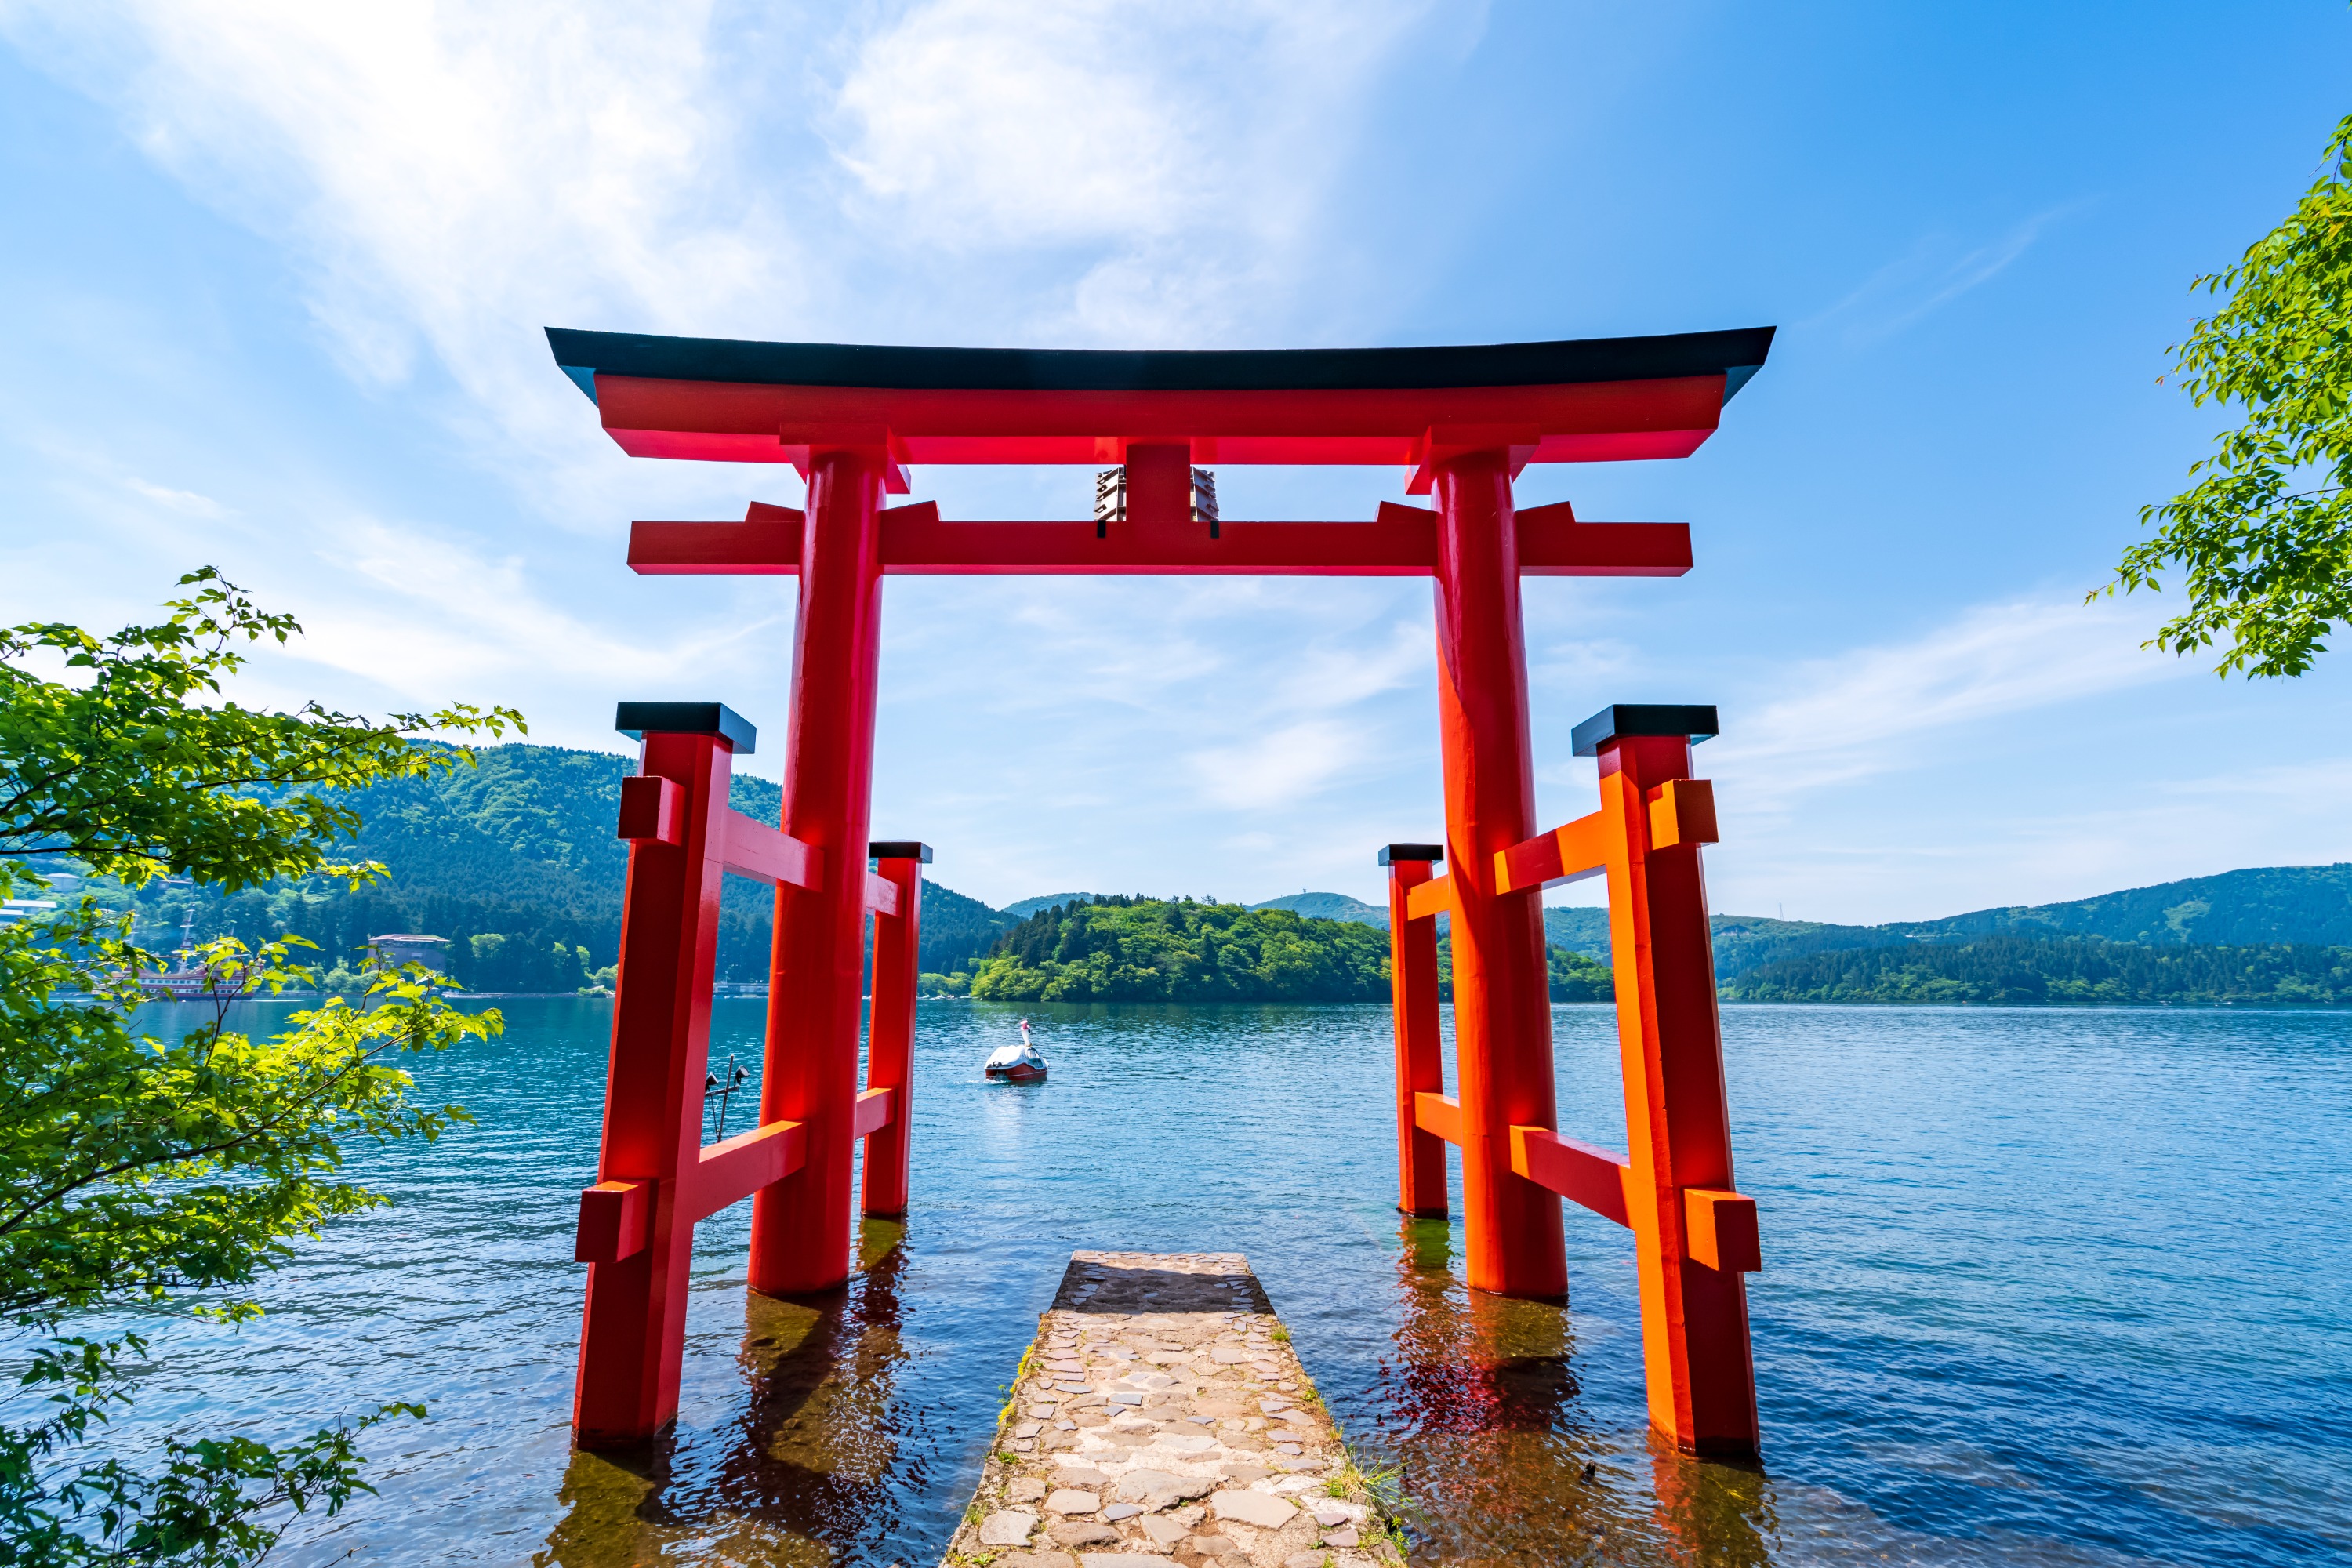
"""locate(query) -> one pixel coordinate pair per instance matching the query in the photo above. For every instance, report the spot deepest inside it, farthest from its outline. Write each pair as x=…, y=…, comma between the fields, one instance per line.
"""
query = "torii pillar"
x=801, y=1226
x=1502, y=998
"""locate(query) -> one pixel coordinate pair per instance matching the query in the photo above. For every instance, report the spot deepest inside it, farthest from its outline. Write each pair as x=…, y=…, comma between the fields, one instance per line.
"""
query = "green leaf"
x=2262, y=540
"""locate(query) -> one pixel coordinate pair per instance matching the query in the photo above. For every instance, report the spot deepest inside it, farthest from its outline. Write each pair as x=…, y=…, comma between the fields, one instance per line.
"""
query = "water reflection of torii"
x=1482, y=1410
x=800, y=1465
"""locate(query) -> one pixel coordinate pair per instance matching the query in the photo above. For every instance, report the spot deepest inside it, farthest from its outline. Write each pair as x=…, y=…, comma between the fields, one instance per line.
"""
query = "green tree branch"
x=170, y=1175
x=2263, y=538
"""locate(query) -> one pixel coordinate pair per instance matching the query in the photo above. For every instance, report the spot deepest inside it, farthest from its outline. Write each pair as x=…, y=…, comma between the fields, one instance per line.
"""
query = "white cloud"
x=1576, y=667
x=442, y=183
x=1333, y=675
x=1867, y=712
x=448, y=180
x=184, y=502
x=1924, y=280
x=1279, y=769
x=1989, y=839
x=429, y=620
x=1182, y=150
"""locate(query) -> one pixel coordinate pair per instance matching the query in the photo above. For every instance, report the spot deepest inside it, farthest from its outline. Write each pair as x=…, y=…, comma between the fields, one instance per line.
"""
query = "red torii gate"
x=1463, y=421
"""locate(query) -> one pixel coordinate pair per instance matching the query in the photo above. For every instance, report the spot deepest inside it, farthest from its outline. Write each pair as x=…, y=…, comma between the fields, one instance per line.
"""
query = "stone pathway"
x=1160, y=1416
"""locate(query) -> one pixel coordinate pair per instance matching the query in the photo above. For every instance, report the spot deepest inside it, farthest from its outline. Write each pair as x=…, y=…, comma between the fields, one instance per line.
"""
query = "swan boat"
x=1015, y=1064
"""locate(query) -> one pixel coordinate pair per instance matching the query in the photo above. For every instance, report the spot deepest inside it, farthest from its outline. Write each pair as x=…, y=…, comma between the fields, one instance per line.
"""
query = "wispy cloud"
x=429, y=618
x=1870, y=710
x=448, y=180
x=1295, y=738
x=1281, y=769
x=2037, y=846
x=186, y=503
x=1932, y=274
x=442, y=182
x=1575, y=667
x=1177, y=152
x=1325, y=676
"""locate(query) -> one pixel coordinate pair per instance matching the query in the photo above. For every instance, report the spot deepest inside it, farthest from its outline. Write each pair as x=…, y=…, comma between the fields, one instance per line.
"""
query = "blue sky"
x=275, y=274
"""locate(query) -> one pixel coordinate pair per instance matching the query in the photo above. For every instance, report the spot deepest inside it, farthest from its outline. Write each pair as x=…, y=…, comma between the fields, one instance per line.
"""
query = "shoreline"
x=2247, y=1006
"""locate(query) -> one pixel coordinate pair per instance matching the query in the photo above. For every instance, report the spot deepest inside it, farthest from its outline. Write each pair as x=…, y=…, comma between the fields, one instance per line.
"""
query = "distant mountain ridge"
x=2042, y=969
x=2307, y=904
x=517, y=862
x=1024, y=907
x=2303, y=905
x=1329, y=907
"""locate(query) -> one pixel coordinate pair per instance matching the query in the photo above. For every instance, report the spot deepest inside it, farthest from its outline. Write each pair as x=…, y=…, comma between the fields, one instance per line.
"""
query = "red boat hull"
x=1023, y=1073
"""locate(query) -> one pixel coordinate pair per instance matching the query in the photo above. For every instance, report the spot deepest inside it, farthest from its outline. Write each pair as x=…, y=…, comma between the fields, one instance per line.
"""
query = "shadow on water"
x=811, y=1458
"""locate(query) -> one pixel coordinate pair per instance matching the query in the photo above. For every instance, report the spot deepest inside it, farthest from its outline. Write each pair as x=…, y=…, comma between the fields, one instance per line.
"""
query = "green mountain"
x=2310, y=905
x=1153, y=950
x=2013, y=970
x=515, y=861
x=1027, y=907
x=1742, y=943
x=1329, y=907
x=2259, y=905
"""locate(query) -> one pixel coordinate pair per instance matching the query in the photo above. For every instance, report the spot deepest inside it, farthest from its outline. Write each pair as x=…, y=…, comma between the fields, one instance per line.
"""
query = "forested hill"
x=2308, y=904
x=2012, y=970
x=2263, y=906
x=1183, y=950
x=516, y=861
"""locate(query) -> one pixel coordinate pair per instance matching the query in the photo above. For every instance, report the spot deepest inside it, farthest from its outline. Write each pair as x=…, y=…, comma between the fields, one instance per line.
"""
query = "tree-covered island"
x=1127, y=949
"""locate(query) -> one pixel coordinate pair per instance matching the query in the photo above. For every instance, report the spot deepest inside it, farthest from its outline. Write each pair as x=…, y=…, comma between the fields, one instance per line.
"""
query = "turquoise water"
x=2039, y=1286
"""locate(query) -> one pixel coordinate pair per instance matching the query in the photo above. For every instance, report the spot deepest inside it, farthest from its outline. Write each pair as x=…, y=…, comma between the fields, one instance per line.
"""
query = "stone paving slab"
x=1160, y=1417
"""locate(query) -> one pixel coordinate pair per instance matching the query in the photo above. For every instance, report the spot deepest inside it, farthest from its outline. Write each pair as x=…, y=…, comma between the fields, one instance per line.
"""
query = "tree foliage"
x=518, y=846
x=147, y=1175
x=2263, y=536
x=2038, y=970
x=129, y=766
x=1126, y=948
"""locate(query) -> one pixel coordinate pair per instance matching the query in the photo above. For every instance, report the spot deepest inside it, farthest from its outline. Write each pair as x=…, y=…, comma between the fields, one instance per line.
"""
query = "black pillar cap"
x=637, y=720
x=1393, y=853
x=898, y=849
x=1694, y=722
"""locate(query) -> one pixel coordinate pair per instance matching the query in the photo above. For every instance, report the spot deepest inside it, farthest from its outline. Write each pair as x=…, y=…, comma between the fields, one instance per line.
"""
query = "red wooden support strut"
x=1695, y=1340
x=1419, y=1062
x=890, y=1034
x=636, y=1243
x=1694, y=1235
x=1502, y=994
x=654, y=1180
x=801, y=1228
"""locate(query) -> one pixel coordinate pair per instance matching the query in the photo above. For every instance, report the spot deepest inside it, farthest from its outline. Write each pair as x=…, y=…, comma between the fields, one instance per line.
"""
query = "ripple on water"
x=2041, y=1288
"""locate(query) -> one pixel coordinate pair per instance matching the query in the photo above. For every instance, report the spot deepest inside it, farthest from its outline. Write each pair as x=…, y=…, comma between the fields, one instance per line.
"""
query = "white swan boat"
x=1015, y=1064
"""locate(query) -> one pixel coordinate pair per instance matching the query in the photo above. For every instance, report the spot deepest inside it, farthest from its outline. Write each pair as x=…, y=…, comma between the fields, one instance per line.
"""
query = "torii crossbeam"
x=1461, y=423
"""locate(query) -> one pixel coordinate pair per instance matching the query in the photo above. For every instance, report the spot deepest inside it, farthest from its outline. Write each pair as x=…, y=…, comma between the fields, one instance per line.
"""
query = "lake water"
x=2039, y=1286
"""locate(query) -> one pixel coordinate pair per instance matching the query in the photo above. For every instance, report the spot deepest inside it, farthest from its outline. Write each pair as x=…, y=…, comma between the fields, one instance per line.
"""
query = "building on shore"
x=395, y=949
